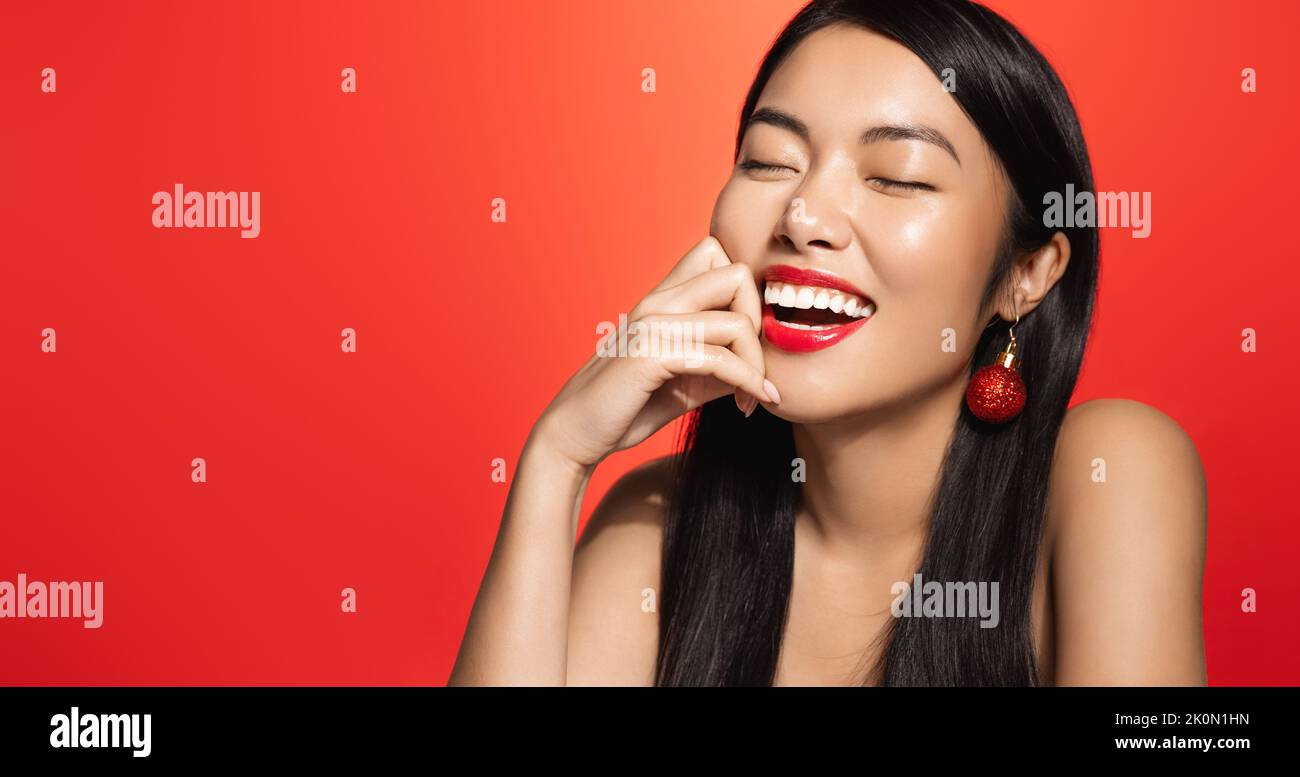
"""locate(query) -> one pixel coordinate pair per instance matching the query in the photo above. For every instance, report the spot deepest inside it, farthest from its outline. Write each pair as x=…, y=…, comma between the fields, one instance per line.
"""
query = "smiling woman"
x=877, y=237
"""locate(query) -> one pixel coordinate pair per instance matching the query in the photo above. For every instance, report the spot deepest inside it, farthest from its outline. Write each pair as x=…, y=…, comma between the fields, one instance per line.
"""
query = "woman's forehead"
x=843, y=79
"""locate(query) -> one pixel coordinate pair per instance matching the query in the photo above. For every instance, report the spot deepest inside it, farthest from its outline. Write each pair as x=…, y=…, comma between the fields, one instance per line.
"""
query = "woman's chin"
x=805, y=408
x=812, y=392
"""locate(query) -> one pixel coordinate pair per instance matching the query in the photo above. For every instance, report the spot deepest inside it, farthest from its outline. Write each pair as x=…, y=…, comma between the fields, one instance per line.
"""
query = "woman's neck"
x=870, y=478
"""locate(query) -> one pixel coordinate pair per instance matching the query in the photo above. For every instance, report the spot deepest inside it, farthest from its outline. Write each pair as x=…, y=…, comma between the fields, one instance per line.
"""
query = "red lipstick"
x=790, y=335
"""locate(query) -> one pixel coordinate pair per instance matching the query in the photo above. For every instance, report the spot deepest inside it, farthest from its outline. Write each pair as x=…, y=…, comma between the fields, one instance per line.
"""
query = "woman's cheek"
x=726, y=214
x=744, y=220
x=910, y=249
x=930, y=282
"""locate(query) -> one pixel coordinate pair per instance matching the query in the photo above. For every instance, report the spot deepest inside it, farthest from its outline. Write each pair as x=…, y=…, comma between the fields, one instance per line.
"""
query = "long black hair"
x=728, y=551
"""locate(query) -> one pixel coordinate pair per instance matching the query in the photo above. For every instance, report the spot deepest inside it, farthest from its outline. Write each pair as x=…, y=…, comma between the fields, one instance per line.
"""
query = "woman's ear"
x=1035, y=274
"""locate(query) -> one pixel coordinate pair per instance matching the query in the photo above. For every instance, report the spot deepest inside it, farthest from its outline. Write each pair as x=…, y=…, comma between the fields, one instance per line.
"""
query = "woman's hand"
x=518, y=630
x=706, y=316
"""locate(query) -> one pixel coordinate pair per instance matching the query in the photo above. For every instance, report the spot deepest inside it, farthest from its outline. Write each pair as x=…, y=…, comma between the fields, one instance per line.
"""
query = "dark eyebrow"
x=921, y=132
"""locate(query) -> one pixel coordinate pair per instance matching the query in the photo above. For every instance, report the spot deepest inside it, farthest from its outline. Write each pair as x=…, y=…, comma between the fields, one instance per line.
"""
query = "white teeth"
x=789, y=295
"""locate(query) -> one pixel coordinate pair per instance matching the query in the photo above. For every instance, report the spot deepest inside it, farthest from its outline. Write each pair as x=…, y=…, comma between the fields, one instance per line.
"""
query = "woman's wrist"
x=546, y=473
x=545, y=447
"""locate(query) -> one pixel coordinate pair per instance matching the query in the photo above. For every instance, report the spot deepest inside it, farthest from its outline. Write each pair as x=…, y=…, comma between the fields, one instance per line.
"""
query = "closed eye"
x=753, y=164
x=889, y=183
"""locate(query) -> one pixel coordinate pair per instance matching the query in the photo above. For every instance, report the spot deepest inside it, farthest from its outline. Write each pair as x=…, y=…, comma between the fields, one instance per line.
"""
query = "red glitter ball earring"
x=996, y=393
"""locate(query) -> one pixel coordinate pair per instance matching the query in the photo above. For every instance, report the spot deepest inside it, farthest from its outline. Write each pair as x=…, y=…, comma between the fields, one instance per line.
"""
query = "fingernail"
x=745, y=402
x=770, y=388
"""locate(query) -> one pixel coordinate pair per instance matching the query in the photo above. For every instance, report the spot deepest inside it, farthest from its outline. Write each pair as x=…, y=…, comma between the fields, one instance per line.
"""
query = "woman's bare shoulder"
x=1127, y=526
x=1140, y=440
x=635, y=503
x=613, y=614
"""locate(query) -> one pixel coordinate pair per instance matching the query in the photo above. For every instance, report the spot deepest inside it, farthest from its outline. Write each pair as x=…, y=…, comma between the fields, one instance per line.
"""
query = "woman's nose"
x=816, y=216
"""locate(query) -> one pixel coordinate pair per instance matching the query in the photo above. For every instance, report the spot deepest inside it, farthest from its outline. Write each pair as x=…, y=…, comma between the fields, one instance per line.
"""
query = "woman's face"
x=921, y=256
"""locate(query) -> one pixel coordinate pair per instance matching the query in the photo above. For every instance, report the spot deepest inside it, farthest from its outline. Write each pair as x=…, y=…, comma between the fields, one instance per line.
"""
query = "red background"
x=372, y=470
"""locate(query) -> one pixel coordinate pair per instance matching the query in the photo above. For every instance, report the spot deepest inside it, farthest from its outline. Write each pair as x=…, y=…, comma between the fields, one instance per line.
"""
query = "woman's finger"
x=705, y=255
x=730, y=287
x=719, y=362
x=687, y=331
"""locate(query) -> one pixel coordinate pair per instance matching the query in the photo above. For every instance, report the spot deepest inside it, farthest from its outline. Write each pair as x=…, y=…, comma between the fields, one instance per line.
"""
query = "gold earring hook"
x=1012, y=328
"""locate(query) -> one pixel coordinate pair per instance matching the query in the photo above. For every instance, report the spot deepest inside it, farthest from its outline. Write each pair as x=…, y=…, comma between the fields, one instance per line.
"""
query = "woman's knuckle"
x=740, y=272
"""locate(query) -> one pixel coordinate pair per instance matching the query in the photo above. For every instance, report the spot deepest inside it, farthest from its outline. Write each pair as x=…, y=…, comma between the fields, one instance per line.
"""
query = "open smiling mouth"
x=805, y=310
